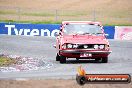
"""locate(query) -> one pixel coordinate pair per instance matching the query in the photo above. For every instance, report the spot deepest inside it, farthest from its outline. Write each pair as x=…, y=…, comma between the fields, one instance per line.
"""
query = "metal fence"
x=29, y=14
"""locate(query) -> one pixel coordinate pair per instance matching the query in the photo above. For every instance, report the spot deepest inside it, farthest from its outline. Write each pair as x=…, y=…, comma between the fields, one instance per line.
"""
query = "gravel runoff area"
x=24, y=64
x=120, y=61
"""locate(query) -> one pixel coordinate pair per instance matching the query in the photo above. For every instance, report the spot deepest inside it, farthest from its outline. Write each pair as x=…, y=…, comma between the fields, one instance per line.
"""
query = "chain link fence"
x=42, y=15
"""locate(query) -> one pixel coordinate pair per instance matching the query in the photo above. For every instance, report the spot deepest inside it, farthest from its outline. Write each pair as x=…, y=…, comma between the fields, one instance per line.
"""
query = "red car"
x=82, y=40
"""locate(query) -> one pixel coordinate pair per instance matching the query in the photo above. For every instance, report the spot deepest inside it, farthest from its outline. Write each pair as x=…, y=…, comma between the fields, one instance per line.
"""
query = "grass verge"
x=5, y=61
x=59, y=22
x=33, y=22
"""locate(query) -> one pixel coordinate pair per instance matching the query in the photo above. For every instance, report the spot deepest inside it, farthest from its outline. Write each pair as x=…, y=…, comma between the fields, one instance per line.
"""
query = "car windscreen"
x=71, y=29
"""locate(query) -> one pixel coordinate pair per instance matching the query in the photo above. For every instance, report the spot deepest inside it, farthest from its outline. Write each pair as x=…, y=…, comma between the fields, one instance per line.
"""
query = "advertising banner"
x=110, y=30
x=123, y=33
x=40, y=29
x=29, y=29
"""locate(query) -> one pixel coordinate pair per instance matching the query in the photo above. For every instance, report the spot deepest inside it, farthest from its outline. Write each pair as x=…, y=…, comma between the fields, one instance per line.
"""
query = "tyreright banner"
x=123, y=33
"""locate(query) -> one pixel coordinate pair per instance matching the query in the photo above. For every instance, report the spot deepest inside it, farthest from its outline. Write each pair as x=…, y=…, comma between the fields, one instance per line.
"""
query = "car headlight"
x=69, y=45
x=96, y=46
x=101, y=46
x=64, y=46
x=75, y=46
x=85, y=46
x=106, y=46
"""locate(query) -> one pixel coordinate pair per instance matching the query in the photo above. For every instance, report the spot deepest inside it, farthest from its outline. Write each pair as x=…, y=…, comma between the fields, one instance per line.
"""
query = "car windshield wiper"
x=97, y=33
x=86, y=33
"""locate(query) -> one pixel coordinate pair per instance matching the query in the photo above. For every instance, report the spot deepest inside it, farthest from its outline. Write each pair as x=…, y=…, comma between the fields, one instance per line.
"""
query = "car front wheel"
x=97, y=59
x=105, y=60
x=57, y=57
x=77, y=59
x=62, y=59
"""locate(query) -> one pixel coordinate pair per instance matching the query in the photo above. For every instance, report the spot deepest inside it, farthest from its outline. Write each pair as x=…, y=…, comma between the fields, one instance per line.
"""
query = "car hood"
x=85, y=39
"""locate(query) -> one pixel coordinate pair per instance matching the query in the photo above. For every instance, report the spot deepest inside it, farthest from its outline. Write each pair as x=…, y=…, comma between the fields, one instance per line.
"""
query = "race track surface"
x=120, y=60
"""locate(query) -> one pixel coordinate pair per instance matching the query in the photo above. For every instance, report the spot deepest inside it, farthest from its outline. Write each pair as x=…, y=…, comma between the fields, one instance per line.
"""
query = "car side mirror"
x=57, y=34
x=54, y=46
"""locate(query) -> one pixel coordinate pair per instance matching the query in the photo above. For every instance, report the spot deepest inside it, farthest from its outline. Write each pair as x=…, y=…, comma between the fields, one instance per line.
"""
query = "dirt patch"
x=111, y=5
x=106, y=11
x=55, y=84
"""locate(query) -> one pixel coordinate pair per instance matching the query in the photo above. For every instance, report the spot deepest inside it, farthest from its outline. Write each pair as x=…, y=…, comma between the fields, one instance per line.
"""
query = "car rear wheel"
x=105, y=60
x=62, y=59
x=57, y=57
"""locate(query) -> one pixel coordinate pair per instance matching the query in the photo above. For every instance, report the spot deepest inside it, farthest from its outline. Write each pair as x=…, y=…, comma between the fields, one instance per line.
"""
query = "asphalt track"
x=120, y=60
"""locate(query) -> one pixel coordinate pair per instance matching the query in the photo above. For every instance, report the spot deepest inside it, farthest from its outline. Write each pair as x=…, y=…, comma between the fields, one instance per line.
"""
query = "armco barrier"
x=40, y=29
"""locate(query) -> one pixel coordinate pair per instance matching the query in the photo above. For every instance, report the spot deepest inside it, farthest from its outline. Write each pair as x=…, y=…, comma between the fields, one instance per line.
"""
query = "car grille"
x=84, y=46
x=89, y=46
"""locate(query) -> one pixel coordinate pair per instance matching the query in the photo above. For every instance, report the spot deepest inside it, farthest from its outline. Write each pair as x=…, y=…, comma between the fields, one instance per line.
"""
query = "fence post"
x=18, y=13
x=94, y=15
x=56, y=15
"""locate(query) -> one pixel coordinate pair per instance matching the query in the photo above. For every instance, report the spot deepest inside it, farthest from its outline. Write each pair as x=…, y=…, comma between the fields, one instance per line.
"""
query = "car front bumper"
x=74, y=53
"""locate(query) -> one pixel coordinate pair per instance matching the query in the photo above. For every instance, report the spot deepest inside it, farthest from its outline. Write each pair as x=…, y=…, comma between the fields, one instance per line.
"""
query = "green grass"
x=37, y=14
x=2, y=12
x=7, y=12
x=33, y=22
x=55, y=22
x=4, y=61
